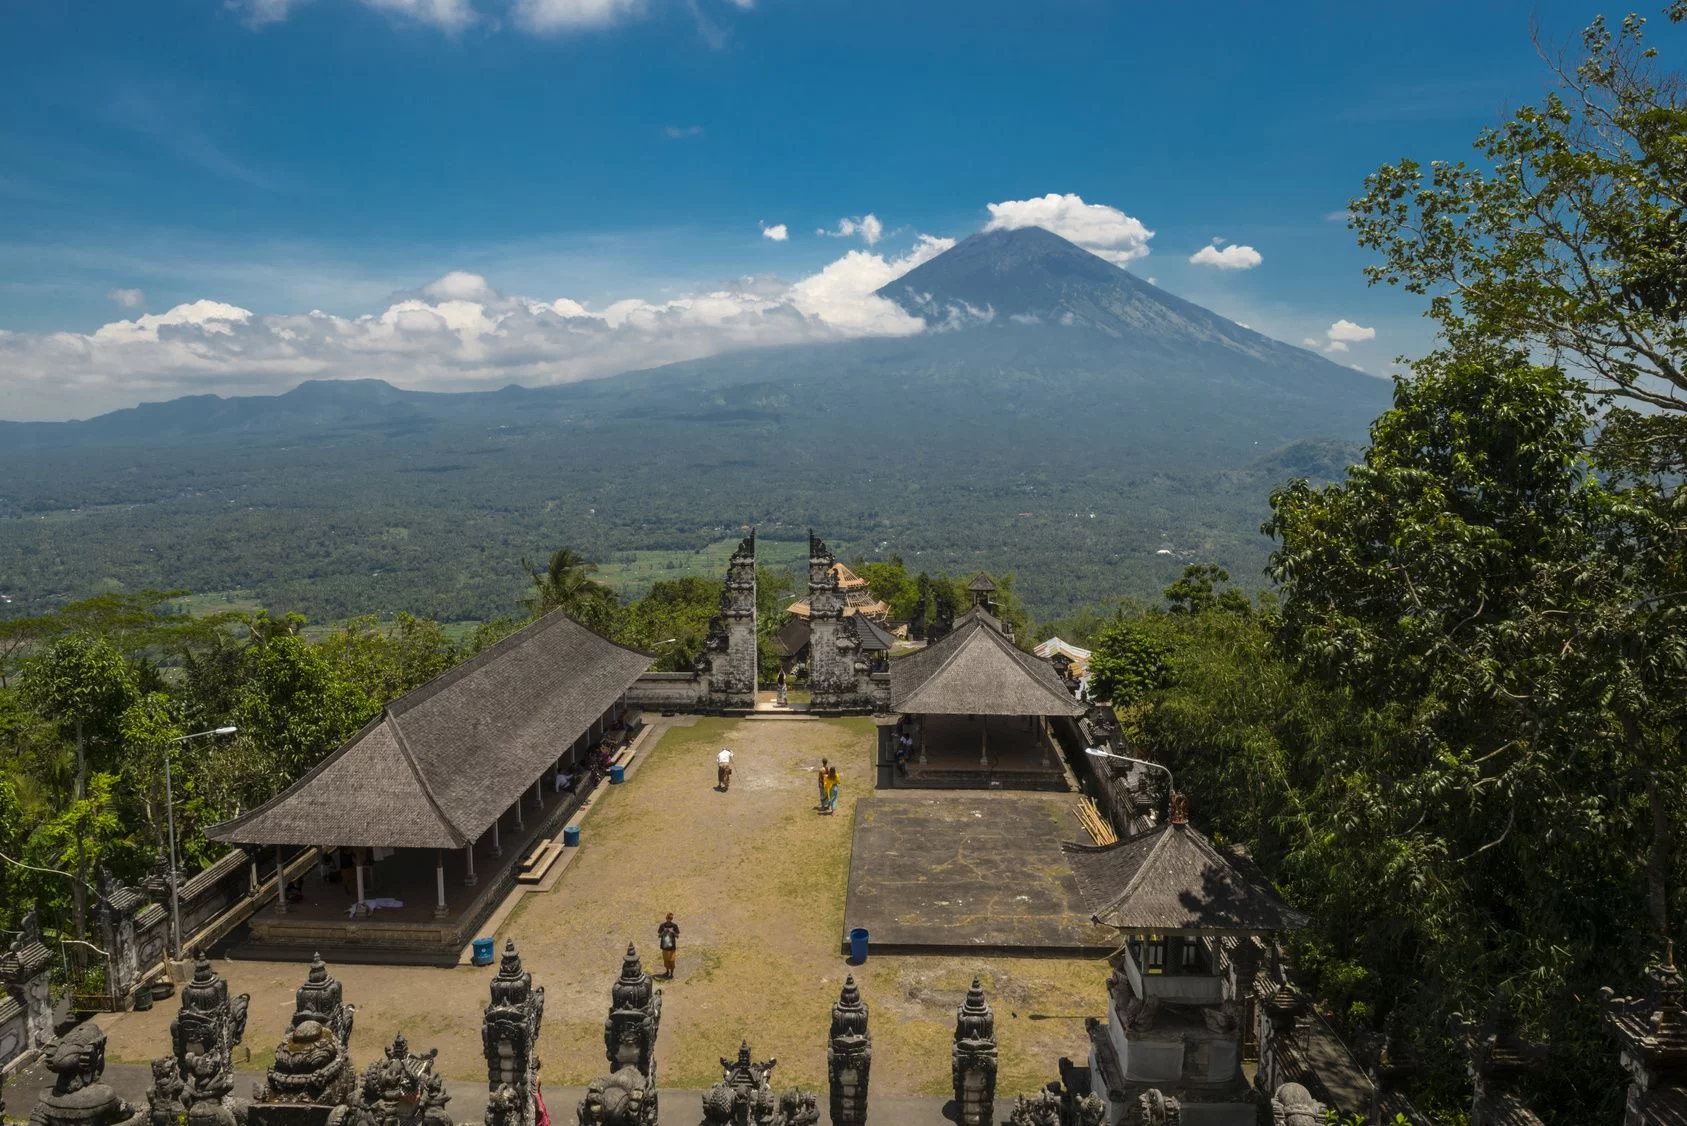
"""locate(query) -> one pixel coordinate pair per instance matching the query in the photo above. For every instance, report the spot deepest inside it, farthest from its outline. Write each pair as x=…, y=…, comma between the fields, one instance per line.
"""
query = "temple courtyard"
x=757, y=879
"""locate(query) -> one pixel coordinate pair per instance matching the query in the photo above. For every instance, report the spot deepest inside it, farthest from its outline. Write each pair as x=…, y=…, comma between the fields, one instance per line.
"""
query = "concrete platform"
x=981, y=870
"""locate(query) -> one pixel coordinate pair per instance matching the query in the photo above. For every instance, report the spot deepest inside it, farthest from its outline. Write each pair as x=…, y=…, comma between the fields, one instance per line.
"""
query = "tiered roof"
x=1171, y=879
x=440, y=764
x=976, y=670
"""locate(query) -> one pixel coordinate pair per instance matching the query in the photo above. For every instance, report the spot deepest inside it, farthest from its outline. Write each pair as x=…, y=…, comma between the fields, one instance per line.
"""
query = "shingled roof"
x=976, y=670
x=440, y=764
x=1172, y=879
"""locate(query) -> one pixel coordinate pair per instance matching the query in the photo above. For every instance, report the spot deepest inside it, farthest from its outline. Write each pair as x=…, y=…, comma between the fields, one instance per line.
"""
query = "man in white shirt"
x=723, y=770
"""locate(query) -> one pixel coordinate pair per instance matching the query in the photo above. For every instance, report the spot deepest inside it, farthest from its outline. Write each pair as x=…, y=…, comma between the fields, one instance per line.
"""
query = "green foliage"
x=294, y=709
x=671, y=621
x=1127, y=662
x=566, y=584
x=1570, y=242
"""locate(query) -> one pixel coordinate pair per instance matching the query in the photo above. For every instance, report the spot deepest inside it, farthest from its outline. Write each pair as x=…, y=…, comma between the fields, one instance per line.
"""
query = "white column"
x=983, y=741
x=360, y=875
x=439, y=881
x=497, y=848
x=922, y=724
x=468, y=856
x=256, y=883
x=280, y=884
x=518, y=822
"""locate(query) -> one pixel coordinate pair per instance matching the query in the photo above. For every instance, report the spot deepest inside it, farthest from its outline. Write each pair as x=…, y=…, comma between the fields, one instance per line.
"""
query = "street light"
x=170, y=816
x=1097, y=752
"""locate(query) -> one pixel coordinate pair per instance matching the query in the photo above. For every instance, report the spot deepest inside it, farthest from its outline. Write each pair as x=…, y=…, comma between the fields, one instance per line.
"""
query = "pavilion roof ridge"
x=421, y=778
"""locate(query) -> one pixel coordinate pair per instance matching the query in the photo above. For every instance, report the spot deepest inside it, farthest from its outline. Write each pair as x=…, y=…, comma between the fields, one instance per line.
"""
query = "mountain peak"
x=1030, y=275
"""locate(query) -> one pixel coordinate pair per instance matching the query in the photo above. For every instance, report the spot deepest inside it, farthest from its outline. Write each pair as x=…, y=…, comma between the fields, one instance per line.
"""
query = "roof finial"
x=1180, y=808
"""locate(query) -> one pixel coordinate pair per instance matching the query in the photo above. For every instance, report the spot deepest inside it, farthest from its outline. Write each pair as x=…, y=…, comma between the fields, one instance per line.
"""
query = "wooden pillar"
x=497, y=847
x=983, y=741
x=920, y=720
x=280, y=883
x=255, y=882
x=468, y=857
x=519, y=825
x=539, y=791
x=439, y=881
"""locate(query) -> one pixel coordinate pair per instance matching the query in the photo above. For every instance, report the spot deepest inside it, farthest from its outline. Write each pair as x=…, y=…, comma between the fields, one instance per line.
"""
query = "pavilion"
x=858, y=598
x=1191, y=919
x=979, y=710
x=791, y=642
x=448, y=780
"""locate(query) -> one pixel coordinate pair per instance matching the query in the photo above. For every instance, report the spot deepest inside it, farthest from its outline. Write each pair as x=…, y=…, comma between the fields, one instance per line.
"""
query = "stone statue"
x=800, y=1108
x=209, y=1023
x=973, y=1060
x=626, y=1098
x=311, y=1067
x=635, y=1016
x=510, y=1033
x=849, y=1057
x=164, y=1099
x=744, y=1096
x=1042, y=1109
x=319, y=999
x=1156, y=1109
x=79, y=1096
x=1293, y=1105
x=210, y=1078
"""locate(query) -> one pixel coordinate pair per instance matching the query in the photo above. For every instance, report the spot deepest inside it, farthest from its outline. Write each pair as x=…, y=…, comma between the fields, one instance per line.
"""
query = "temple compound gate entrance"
x=724, y=677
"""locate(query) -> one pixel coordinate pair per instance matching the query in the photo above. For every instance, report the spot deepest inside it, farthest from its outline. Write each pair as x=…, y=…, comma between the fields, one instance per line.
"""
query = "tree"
x=1481, y=594
x=566, y=584
x=294, y=710
x=1197, y=592
x=1127, y=662
x=1573, y=243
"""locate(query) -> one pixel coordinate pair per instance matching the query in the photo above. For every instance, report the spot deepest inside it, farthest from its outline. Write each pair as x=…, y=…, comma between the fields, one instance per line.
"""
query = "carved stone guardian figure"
x=626, y=1098
x=849, y=1057
x=635, y=1016
x=973, y=1060
x=320, y=999
x=510, y=1034
x=79, y=1096
x=311, y=1067
x=210, y=1023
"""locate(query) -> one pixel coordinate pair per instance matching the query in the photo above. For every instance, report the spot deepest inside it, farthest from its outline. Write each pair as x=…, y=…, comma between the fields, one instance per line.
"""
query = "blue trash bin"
x=617, y=774
x=571, y=837
x=483, y=951
x=857, y=946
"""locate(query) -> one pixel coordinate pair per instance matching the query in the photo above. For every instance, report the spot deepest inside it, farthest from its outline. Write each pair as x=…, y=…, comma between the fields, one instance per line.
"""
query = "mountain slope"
x=1093, y=433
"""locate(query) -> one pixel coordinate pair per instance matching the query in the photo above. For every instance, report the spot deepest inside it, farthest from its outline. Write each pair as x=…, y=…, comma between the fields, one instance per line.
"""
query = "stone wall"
x=26, y=1003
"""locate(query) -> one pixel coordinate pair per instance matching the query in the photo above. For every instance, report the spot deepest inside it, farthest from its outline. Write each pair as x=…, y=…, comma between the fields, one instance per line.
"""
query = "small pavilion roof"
x=873, y=637
x=441, y=763
x=976, y=670
x=1171, y=879
x=982, y=582
x=793, y=636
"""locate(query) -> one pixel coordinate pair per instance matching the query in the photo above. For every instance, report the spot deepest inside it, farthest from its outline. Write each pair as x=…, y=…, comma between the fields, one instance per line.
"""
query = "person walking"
x=667, y=937
x=723, y=770
x=781, y=687
x=832, y=787
x=824, y=780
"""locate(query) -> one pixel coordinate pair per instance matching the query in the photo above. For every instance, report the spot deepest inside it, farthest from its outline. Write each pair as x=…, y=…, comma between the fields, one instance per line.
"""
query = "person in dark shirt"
x=667, y=937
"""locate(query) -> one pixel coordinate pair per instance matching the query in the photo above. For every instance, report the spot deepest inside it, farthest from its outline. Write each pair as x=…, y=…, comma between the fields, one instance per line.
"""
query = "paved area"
x=757, y=879
x=955, y=870
x=468, y=1099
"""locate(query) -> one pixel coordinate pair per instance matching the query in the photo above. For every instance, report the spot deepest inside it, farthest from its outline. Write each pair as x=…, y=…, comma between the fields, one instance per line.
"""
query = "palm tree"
x=566, y=584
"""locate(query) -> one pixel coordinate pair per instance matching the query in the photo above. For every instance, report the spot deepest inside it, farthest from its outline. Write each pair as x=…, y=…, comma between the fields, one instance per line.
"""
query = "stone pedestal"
x=849, y=1057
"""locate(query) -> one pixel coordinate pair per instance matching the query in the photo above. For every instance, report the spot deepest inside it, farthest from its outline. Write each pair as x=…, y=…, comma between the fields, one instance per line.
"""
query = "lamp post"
x=170, y=817
x=1171, y=784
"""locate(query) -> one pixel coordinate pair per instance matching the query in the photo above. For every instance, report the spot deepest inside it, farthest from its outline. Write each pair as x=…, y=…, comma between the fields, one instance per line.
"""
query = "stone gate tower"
x=734, y=665
x=831, y=648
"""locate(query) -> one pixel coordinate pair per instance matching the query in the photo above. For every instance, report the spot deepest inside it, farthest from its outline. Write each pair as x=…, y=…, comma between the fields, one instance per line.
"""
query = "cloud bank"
x=778, y=232
x=1104, y=231
x=1339, y=335
x=457, y=332
x=867, y=226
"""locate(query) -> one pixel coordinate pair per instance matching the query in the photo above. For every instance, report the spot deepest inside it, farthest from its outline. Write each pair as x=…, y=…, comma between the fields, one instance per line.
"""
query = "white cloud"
x=1102, y=230
x=128, y=298
x=683, y=132
x=778, y=232
x=447, y=15
x=868, y=227
x=551, y=16
x=1338, y=336
x=1348, y=331
x=1235, y=257
x=456, y=332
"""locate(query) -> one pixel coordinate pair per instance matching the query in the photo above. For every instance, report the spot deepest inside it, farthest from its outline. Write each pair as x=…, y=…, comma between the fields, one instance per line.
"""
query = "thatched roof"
x=792, y=637
x=982, y=582
x=439, y=765
x=1172, y=879
x=976, y=670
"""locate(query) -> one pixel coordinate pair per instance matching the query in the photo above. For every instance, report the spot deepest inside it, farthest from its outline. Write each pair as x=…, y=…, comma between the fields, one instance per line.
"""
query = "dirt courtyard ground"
x=756, y=878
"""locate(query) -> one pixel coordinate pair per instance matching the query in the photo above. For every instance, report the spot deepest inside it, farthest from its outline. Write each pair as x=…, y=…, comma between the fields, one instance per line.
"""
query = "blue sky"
x=274, y=157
